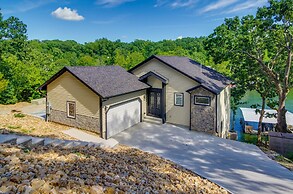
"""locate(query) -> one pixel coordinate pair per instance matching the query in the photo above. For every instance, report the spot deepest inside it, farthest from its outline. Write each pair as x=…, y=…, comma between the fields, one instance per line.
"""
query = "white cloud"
x=179, y=37
x=218, y=5
x=67, y=14
x=26, y=6
x=184, y=3
x=249, y=4
x=112, y=3
x=160, y=3
x=176, y=3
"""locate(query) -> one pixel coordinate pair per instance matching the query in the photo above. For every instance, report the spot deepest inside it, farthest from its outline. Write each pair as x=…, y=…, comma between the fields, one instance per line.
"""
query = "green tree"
x=12, y=36
x=86, y=61
x=12, y=40
x=3, y=83
x=267, y=40
x=134, y=58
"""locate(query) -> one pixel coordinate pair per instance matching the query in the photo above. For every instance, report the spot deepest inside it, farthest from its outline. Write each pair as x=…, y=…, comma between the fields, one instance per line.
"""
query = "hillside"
x=94, y=170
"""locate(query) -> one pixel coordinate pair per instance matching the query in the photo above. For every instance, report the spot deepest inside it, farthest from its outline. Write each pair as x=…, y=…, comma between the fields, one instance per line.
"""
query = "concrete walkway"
x=239, y=167
x=83, y=136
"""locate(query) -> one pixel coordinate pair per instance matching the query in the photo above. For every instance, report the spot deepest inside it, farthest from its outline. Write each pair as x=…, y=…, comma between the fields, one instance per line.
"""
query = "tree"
x=267, y=40
x=86, y=61
x=3, y=83
x=267, y=91
x=12, y=40
x=12, y=36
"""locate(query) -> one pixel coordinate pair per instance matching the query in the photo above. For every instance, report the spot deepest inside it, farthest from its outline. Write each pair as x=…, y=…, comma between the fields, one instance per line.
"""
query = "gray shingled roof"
x=107, y=81
x=206, y=76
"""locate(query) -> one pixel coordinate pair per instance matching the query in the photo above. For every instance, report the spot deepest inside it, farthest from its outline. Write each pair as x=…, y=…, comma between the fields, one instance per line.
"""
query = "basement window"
x=202, y=100
x=179, y=99
x=71, y=109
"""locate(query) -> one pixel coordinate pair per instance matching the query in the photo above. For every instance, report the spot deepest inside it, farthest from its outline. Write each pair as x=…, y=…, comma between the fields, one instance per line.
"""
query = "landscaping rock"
x=95, y=171
x=96, y=190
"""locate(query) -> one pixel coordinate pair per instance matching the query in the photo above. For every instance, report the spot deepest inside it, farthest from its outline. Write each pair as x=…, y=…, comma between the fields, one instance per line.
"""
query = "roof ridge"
x=94, y=66
x=198, y=63
x=210, y=68
x=105, y=81
x=169, y=56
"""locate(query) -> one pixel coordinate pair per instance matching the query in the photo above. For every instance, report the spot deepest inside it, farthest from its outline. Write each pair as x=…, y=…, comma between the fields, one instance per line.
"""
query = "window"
x=202, y=100
x=71, y=109
x=179, y=99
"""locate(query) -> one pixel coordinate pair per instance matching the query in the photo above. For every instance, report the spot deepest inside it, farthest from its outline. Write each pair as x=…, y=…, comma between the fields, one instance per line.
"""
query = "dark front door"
x=155, y=102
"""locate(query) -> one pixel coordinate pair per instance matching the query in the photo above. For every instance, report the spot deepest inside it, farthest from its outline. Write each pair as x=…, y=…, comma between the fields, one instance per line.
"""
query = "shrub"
x=19, y=115
x=290, y=156
x=252, y=138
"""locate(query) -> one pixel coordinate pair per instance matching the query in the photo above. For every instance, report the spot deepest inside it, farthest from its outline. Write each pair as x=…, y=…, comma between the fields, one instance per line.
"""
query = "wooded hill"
x=26, y=64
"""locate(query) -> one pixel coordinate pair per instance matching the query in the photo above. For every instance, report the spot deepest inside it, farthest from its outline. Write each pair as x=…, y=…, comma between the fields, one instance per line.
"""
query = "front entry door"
x=155, y=102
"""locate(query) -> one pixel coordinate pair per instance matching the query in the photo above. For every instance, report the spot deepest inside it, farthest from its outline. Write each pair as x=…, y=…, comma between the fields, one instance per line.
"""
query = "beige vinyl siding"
x=223, y=111
x=68, y=88
x=154, y=82
x=177, y=83
x=120, y=99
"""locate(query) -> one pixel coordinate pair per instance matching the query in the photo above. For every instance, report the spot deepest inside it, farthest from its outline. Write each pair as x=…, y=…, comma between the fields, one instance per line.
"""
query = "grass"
x=290, y=156
x=20, y=129
x=13, y=127
x=19, y=115
x=29, y=125
x=27, y=131
x=252, y=139
x=286, y=162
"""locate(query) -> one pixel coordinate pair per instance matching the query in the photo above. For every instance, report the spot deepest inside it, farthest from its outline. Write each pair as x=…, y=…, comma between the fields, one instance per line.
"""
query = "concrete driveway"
x=239, y=167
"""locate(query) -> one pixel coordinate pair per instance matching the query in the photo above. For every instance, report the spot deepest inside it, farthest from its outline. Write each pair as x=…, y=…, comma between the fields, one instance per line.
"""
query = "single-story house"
x=108, y=99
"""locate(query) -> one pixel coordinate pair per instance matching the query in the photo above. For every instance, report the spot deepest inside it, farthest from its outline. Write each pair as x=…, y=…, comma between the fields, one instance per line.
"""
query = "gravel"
x=94, y=170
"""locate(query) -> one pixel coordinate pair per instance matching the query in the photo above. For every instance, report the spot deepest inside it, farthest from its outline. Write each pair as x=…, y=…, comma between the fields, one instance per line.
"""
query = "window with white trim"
x=202, y=100
x=71, y=109
x=179, y=99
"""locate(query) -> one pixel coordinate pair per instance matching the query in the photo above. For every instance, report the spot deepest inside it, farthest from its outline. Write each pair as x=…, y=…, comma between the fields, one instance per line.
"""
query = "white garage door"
x=123, y=116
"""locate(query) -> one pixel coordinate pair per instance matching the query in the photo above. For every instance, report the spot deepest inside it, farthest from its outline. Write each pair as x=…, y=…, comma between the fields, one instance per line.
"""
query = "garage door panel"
x=122, y=117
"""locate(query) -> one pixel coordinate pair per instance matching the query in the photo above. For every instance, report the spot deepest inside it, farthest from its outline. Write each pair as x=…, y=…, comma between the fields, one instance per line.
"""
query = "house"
x=108, y=99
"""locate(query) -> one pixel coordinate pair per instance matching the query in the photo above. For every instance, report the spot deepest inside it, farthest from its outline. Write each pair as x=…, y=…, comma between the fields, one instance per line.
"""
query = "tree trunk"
x=281, y=114
x=262, y=112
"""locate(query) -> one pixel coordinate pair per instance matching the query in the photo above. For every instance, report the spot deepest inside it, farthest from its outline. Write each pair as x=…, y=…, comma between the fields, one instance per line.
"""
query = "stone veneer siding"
x=81, y=121
x=203, y=118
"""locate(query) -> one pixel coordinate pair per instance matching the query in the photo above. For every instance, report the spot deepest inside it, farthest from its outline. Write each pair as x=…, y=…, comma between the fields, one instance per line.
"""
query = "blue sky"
x=127, y=20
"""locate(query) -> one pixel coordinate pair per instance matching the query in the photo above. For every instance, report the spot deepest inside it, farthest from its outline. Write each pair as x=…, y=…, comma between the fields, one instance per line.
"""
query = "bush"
x=19, y=115
x=8, y=96
x=252, y=138
x=290, y=156
x=249, y=138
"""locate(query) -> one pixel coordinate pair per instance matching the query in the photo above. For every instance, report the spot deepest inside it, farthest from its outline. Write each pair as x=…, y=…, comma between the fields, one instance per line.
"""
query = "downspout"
x=46, y=118
x=216, y=126
x=106, y=111
x=163, y=103
x=101, y=118
x=106, y=127
x=190, y=111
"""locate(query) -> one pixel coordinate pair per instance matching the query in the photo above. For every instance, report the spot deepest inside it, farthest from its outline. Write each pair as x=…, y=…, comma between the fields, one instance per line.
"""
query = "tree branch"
x=273, y=61
x=266, y=70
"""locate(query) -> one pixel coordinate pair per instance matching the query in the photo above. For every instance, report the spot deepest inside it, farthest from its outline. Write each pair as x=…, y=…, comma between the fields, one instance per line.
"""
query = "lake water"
x=253, y=97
